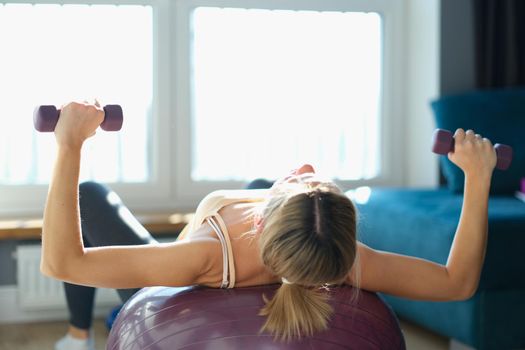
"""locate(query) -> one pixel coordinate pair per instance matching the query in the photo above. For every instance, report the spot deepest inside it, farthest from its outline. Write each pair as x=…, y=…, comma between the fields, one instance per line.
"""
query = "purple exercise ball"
x=192, y=318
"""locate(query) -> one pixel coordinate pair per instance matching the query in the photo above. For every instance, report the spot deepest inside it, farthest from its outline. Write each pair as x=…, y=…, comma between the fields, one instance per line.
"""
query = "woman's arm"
x=164, y=264
x=61, y=233
x=63, y=254
x=416, y=278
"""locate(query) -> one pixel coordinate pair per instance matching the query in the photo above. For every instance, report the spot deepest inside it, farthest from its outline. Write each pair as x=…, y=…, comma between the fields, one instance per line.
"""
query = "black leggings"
x=106, y=221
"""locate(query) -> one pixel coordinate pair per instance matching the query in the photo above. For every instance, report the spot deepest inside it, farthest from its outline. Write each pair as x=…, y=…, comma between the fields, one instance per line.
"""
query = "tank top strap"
x=219, y=226
x=215, y=226
x=231, y=262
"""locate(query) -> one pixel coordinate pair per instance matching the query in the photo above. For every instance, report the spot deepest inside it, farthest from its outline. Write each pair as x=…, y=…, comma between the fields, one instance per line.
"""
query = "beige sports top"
x=208, y=211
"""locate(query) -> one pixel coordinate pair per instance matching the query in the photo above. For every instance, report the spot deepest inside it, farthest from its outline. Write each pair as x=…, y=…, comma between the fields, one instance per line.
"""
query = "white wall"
x=422, y=83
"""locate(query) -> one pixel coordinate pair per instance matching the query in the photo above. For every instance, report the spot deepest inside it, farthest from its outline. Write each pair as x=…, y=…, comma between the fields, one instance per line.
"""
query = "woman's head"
x=308, y=237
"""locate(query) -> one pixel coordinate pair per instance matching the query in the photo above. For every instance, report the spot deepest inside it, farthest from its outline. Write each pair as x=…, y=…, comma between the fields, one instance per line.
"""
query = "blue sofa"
x=422, y=223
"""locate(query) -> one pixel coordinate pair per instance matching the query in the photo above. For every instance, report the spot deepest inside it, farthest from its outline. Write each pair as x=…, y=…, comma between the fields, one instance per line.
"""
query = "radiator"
x=37, y=292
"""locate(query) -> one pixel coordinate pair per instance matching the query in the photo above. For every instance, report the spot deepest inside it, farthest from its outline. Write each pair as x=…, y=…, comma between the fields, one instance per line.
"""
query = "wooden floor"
x=418, y=338
x=42, y=336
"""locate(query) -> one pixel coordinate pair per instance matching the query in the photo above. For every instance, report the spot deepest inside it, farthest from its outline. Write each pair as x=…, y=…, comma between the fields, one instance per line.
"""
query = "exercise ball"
x=192, y=318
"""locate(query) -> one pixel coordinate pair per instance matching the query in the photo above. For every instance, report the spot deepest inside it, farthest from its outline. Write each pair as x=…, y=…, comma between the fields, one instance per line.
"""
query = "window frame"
x=21, y=201
x=391, y=147
x=170, y=187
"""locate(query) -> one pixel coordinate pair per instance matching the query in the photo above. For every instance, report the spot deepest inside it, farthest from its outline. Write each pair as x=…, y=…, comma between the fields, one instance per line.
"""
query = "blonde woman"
x=301, y=233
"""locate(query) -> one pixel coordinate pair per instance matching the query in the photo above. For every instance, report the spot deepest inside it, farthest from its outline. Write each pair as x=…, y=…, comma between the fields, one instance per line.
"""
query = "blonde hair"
x=309, y=239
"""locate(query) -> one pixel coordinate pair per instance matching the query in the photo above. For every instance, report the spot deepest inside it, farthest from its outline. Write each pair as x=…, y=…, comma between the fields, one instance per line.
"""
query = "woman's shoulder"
x=215, y=200
x=243, y=194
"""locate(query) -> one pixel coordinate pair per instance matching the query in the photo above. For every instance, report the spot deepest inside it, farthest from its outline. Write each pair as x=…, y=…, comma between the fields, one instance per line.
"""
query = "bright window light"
x=275, y=88
x=53, y=54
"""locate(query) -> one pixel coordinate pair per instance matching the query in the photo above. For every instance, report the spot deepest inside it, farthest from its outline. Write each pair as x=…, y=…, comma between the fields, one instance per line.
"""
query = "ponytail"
x=296, y=311
x=310, y=238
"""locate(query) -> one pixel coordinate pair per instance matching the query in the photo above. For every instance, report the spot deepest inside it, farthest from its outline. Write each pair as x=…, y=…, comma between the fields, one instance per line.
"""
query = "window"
x=214, y=92
x=42, y=63
x=53, y=53
x=309, y=81
x=278, y=83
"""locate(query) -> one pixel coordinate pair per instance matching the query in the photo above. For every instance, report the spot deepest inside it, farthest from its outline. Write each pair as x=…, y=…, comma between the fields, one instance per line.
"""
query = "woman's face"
x=305, y=171
x=305, y=174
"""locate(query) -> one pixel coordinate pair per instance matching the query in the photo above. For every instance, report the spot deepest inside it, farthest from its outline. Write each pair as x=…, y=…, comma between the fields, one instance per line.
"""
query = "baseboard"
x=13, y=313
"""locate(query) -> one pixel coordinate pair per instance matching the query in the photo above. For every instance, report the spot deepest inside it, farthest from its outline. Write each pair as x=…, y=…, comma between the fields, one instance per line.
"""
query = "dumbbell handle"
x=443, y=142
x=46, y=117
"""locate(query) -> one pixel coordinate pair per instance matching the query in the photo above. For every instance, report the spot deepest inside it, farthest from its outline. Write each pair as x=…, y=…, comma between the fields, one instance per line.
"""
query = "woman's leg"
x=105, y=221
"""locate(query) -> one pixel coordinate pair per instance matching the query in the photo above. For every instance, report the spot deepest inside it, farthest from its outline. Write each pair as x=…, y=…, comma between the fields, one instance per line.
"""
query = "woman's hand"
x=78, y=122
x=474, y=154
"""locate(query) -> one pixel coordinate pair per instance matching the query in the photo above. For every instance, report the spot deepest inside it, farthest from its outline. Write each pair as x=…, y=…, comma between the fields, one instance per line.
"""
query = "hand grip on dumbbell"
x=46, y=117
x=443, y=142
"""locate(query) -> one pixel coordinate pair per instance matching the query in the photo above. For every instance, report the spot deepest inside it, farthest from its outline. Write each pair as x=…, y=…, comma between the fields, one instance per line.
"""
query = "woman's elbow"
x=59, y=270
x=52, y=270
x=463, y=292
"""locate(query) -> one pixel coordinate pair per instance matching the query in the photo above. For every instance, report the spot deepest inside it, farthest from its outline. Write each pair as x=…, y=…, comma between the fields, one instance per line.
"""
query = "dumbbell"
x=45, y=118
x=443, y=142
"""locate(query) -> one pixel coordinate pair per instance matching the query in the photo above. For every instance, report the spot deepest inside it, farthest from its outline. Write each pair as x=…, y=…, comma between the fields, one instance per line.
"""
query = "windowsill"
x=157, y=224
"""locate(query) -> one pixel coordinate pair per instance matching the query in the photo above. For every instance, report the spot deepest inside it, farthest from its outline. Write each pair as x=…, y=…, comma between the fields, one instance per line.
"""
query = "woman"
x=301, y=233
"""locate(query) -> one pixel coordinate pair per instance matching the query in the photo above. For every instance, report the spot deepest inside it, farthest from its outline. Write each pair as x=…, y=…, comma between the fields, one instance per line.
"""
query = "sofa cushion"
x=490, y=320
x=422, y=223
x=496, y=114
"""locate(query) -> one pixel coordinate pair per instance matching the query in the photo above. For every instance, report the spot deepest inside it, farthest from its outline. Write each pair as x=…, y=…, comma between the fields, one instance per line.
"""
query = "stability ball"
x=192, y=318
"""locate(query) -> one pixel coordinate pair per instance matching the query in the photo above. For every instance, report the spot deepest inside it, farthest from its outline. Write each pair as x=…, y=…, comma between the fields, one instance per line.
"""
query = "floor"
x=41, y=336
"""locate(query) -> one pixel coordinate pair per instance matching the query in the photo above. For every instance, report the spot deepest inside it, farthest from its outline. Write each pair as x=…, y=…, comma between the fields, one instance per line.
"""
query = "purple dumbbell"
x=443, y=142
x=45, y=118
